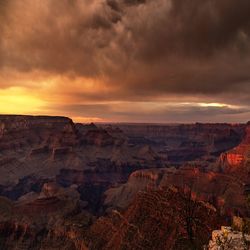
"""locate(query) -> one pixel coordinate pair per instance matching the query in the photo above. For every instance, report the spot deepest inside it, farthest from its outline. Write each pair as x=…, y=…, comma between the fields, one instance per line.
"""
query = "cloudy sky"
x=126, y=60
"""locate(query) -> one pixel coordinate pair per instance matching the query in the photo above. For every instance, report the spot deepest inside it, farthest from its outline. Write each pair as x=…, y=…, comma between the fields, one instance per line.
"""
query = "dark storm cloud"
x=196, y=28
x=3, y=10
x=147, y=48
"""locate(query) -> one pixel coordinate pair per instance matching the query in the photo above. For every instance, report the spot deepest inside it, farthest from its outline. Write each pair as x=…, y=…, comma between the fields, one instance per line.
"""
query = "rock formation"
x=225, y=192
x=186, y=142
x=226, y=238
x=35, y=149
x=237, y=160
x=52, y=219
x=156, y=219
x=82, y=186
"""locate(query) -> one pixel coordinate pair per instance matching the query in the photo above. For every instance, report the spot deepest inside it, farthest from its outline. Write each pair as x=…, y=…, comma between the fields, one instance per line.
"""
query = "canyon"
x=66, y=185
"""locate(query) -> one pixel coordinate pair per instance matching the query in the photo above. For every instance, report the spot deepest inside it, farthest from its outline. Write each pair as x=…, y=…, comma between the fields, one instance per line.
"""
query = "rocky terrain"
x=224, y=192
x=223, y=183
x=52, y=219
x=186, y=142
x=57, y=219
x=226, y=238
x=34, y=150
x=85, y=186
x=158, y=219
x=237, y=160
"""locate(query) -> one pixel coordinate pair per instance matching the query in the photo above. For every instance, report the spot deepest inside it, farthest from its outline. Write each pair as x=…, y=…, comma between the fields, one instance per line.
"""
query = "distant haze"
x=126, y=60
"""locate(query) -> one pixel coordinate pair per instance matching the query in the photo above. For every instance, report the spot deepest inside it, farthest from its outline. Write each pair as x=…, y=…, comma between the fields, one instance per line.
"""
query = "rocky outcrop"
x=18, y=132
x=52, y=219
x=29, y=143
x=25, y=185
x=225, y=192
x=122, y=195
x=226, y=238
x=84, y=128
x=237, y=160
x=99, y=138
x=156, y=219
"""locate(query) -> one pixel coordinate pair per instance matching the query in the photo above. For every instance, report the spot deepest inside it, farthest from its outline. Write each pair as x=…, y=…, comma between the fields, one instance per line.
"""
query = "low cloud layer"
x=157, y=112
x=130, y=50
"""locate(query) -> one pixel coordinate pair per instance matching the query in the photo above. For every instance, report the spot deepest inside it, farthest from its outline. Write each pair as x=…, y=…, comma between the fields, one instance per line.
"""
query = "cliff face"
x=19, y=132
x=44, y=146
x=29, y=142
x=225, y=192
x=237, y=160
x=160, y=219
x=180, y=143
x=223, y=183
x=181, y=130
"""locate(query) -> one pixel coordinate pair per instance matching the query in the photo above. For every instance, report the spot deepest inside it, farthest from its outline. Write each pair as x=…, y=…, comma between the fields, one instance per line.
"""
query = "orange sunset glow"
x=124, y=124
x=94, y=62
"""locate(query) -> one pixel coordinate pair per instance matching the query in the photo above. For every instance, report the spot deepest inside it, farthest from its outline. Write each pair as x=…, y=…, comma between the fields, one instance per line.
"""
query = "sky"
x=161, y=61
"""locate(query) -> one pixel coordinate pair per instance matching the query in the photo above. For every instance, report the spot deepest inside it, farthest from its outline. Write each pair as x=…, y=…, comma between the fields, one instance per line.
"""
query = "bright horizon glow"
x=16, y=100
x=213, y=104
x=87, y=119
x=46, y=100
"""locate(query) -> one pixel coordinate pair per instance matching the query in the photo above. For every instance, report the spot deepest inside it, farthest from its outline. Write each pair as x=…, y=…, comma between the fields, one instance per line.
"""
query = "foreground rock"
x=160, y=219
x=53, y=219
x=237, y=160
x=226, y=238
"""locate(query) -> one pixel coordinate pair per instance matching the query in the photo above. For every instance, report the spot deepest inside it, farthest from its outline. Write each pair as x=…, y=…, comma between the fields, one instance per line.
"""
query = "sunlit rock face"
x=238, y=159
x=226, y=238
x=233, y=159
x=224, y=192
x=210, y=181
